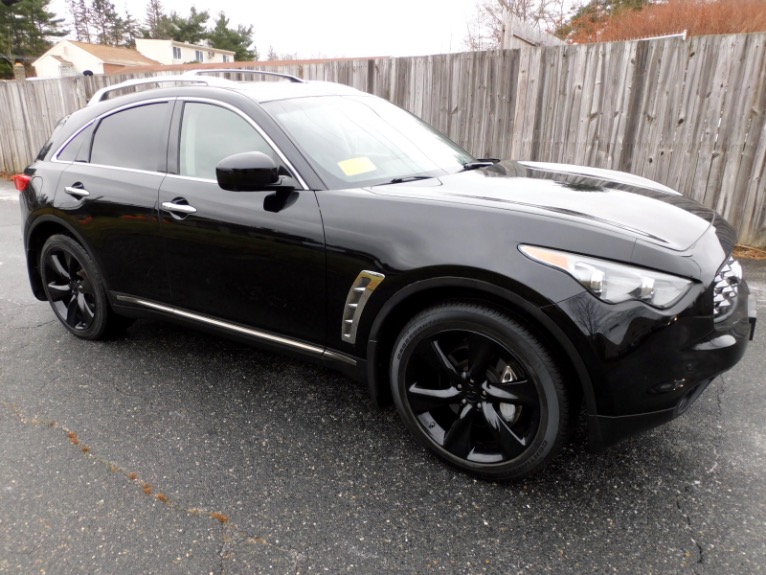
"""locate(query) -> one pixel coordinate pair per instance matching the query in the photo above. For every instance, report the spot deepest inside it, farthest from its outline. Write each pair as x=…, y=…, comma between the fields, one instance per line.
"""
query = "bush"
x=697, y=17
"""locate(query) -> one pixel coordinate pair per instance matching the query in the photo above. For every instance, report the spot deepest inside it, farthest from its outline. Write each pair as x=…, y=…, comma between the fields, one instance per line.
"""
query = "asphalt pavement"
x=174, y=452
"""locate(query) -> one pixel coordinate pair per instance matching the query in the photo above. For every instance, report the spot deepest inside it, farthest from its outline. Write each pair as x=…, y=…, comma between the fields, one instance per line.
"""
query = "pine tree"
x=190, y=30
x=24, y=31
x=238, y=41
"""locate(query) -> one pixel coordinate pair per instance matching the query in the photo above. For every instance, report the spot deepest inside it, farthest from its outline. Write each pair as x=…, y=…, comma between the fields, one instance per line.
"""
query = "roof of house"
x=187, y=45
x=62, y=60
x=114, y=55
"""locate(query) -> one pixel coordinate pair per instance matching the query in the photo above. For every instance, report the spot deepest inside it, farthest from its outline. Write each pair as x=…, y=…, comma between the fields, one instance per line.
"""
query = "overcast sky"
x=330, y=28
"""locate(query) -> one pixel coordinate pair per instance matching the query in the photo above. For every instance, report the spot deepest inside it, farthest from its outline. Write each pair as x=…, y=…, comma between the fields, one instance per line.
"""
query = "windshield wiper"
x=406, y=179
x=480, y=163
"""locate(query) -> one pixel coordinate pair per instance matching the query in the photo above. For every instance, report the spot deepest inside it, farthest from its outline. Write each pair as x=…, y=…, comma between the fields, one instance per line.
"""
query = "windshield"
x=355, y=141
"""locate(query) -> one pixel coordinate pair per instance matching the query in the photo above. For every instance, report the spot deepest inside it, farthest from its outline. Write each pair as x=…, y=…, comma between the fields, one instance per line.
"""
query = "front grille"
x=726, y=289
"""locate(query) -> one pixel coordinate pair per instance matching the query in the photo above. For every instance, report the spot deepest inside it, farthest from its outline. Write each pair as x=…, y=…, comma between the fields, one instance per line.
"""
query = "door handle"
x=77, y=190
x=178, y=208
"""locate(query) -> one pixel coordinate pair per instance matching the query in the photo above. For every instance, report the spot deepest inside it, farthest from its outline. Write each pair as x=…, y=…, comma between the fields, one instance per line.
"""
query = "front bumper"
x=648, y=368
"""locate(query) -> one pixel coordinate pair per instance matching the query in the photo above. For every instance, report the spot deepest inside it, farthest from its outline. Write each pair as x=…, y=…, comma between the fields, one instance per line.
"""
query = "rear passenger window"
x=132, y=138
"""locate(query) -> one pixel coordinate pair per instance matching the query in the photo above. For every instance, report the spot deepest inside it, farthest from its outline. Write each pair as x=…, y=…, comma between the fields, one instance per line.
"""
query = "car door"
x=109, y=193
x=252, y=259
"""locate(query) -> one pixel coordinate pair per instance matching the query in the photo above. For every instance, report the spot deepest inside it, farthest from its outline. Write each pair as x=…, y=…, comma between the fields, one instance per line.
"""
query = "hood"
x=632, y=204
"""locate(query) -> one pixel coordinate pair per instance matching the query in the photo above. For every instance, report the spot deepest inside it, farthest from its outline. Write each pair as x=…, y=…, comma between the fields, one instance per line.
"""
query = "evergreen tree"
x=24, y=31
x=238, y=41
x=190, y=30
x=594, y=16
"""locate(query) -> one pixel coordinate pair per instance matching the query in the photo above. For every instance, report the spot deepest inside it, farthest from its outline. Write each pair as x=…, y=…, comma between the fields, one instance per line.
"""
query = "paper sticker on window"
x=356, y=166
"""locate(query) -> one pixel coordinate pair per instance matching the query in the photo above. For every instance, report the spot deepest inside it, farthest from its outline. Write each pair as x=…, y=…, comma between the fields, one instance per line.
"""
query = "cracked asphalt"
x=170, y=451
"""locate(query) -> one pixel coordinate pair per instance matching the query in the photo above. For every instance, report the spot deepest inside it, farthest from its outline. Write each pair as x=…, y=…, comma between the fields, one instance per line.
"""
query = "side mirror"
x=247, y=172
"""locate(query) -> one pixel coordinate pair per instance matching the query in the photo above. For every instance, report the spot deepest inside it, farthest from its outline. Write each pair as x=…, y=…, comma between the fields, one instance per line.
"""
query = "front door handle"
x=184, y=209
x=77, y=190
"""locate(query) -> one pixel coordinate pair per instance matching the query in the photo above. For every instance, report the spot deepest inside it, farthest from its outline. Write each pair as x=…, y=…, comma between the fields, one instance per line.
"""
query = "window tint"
x=356, y=141
x=131, y=138
x=78, y=149
x=211, y=133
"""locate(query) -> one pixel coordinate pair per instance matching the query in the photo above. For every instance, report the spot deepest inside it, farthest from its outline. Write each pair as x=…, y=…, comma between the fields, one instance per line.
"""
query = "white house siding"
x=48, y=67
x=162, y=51
x=80, y=59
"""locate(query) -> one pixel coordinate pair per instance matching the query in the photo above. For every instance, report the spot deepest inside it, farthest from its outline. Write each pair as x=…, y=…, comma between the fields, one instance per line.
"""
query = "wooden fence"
x=689, y=114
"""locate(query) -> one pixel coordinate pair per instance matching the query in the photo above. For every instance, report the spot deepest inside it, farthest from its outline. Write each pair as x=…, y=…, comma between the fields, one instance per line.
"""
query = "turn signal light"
x=21, y=181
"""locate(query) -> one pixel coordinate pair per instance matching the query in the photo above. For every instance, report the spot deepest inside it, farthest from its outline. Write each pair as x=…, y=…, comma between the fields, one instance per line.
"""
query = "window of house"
x=209, y=134
x=176, y=53
x=198, y=56
x=225, y=58
x=131, y=138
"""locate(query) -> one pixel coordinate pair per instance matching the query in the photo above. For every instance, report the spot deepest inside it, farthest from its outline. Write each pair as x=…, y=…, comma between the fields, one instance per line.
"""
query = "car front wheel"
x=480, y=390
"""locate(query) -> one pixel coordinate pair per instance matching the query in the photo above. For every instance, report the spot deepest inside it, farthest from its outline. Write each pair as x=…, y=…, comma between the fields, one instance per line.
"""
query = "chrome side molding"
x=254, y=333
x=358, y=296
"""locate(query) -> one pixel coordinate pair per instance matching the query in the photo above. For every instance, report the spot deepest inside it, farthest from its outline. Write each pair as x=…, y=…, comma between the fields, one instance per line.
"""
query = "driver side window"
x=209, y=134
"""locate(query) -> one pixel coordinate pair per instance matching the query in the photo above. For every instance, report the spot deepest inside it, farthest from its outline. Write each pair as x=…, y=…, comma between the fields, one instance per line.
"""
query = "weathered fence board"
x=690, y=114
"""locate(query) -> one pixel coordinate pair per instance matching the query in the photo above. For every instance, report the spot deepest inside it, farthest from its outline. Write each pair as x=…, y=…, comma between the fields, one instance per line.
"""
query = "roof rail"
x=176, y=79
x=294, y=79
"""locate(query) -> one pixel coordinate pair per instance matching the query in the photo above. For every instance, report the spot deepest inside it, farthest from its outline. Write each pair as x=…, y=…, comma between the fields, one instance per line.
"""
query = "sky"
x=335, y=28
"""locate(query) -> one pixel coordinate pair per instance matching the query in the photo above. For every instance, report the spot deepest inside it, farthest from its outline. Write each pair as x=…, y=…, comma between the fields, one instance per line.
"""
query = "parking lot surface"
x=170, y=451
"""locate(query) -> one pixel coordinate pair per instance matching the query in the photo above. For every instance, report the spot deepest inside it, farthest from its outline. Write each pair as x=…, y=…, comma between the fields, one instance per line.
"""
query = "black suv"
x=488, y=299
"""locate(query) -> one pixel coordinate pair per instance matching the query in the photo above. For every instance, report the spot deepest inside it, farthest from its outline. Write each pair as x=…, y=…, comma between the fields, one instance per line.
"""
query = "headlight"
x=612, y=282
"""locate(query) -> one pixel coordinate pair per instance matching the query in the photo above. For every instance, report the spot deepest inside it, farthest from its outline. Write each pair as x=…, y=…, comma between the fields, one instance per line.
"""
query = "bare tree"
x=155, y=17
x=81, y=19
x=485, y=30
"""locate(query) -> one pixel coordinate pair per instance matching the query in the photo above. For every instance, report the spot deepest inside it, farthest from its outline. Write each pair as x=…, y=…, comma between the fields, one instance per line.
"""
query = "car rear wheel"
x=480, y=390
x=75, y=290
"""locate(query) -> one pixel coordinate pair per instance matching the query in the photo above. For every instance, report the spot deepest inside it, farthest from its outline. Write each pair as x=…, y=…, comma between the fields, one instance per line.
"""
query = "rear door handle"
x=77, y=190
x=178, y=208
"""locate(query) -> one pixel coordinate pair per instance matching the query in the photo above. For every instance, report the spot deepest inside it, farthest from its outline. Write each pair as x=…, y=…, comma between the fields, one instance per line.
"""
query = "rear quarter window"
x=78, y=148
x=49, y=144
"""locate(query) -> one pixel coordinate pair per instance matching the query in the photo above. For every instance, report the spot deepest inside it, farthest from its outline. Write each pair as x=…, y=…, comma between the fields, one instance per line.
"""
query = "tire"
x=75, y=290
x=479, y=390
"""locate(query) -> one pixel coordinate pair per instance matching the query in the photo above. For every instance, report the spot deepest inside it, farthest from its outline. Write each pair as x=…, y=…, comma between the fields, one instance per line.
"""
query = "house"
x=72, y=58
x=170, y=52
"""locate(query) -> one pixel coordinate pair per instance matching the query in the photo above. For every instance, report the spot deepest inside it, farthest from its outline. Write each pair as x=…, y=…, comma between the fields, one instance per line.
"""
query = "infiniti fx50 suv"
x=490, y=300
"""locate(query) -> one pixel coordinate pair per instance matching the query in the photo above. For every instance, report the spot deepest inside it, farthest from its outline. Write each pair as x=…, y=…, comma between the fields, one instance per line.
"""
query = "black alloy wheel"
x=479, y=390
x=74, y=287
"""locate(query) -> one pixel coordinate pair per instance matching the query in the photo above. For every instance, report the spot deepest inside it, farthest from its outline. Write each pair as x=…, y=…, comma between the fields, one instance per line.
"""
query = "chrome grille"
x=726, y=288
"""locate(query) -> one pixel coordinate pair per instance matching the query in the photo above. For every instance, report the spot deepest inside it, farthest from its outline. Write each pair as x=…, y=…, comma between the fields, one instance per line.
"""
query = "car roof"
x=269, y=91
x=259, y=91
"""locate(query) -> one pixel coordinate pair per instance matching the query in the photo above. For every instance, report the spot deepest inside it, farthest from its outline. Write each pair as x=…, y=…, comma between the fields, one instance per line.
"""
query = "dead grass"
x=697, y=17
x=749, y=253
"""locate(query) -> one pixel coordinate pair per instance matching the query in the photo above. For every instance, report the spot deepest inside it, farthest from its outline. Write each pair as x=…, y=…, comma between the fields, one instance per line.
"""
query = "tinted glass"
x=78, y=149
x=132, y=138
x=360, y=141
x=211, y=133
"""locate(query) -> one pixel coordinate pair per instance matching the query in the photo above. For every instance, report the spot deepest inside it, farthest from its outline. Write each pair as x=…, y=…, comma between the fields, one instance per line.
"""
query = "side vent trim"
x=359, y=294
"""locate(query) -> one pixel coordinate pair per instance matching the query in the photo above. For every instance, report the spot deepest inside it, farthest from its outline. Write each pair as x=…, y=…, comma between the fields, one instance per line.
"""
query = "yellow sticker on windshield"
x=356, y=166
